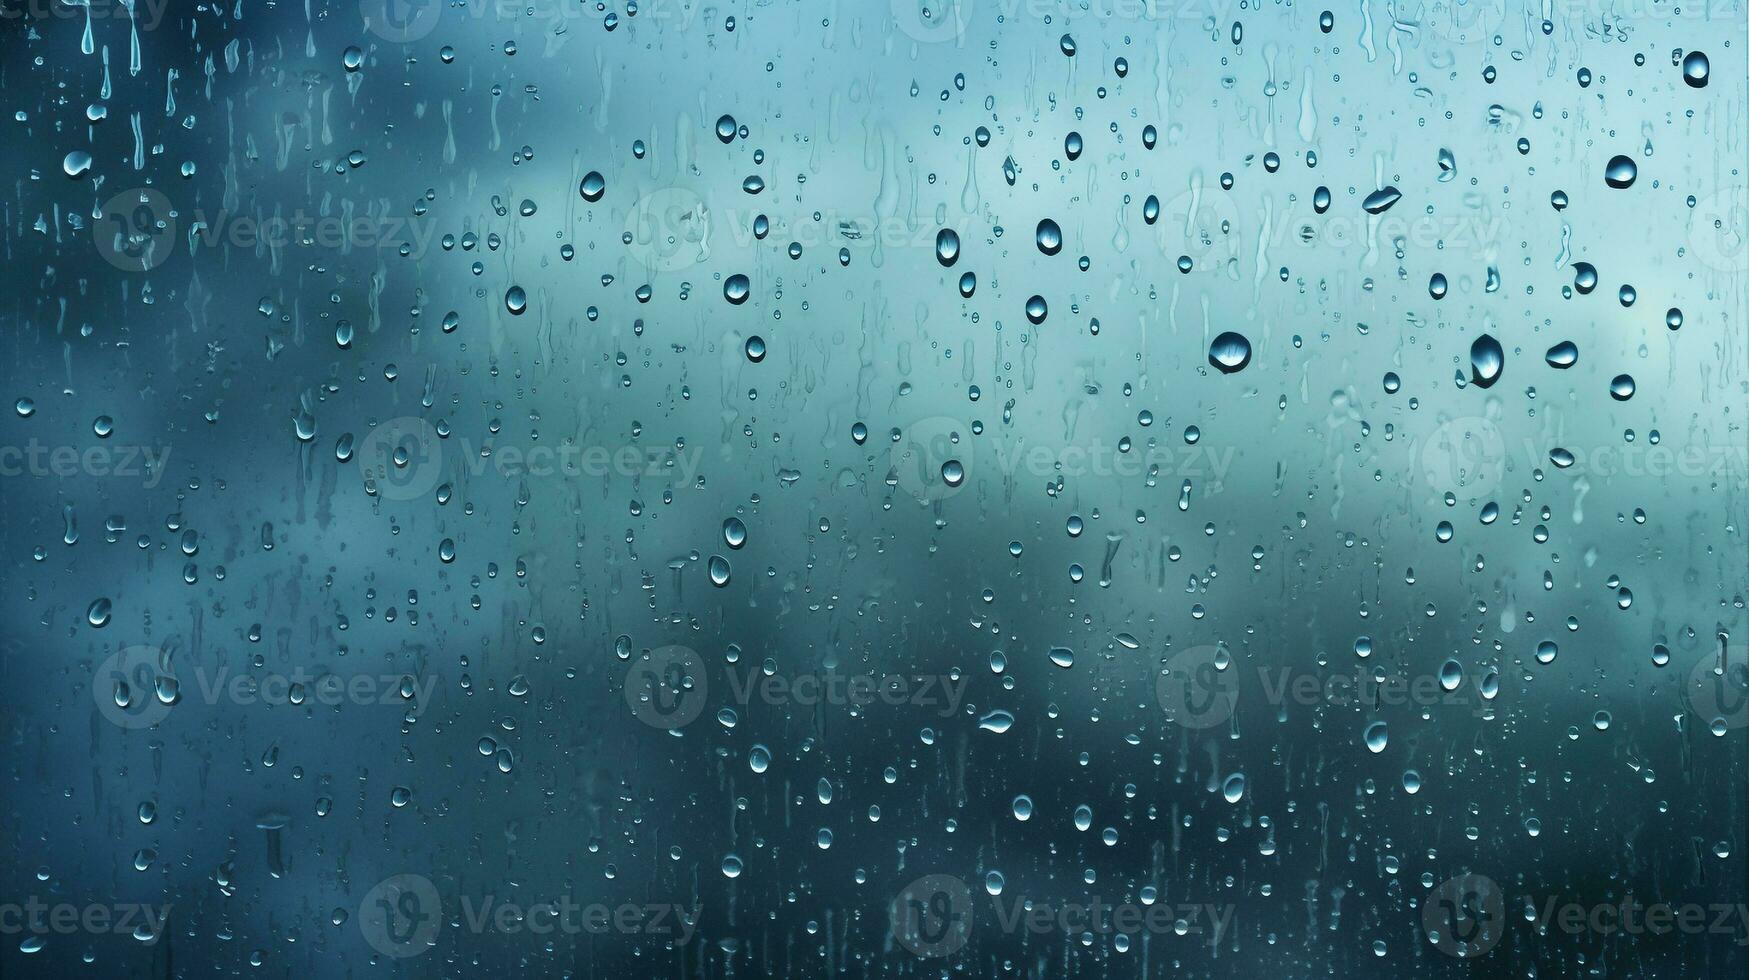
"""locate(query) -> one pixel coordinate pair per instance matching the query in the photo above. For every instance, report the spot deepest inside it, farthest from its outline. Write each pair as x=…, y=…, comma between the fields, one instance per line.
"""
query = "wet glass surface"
x=977, y=488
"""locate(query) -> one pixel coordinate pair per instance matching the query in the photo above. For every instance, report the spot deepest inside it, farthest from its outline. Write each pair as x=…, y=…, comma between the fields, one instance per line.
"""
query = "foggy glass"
x=968, y=488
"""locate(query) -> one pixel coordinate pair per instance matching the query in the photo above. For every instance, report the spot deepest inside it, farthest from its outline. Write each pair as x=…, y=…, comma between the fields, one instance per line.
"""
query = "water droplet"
x=736, y=289
x=1381, y=200
x=1620, y=172
x=953, y=473
x=1230, y=352
x=1451, y=674
x=1049, y=237
x=1487, y=360
x=947, y=247
x=996, y=722
x=1233, y=790
x=76, y=164
x=1695, y=69
x=593, y=186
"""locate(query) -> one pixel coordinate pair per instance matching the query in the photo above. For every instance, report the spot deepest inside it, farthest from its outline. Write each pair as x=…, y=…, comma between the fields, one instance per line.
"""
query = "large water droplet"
x=1233, y=790
x=996, y=721
x=1049, y=237
x=1380, y=201
x=736, y=289
x=76, y=164
x=1695, y=69
x=1487, y=360
x=1230, y=352
x=593, y=186
x=1620, y=172
x=947, y=247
